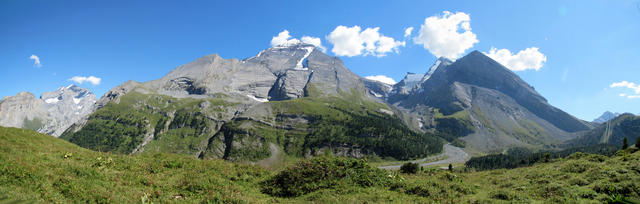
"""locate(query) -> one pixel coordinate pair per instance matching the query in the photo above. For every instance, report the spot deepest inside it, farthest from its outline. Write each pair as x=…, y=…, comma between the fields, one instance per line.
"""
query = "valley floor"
x=43, y=169
x=450, y=155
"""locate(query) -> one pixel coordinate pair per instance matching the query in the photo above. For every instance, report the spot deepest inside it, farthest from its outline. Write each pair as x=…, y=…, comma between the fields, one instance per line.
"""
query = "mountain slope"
x=490, y=106
x=606, y=116
x=611, y=132
x=412, y=82
x=239, y=109
x=52, y=113
x=40, y=168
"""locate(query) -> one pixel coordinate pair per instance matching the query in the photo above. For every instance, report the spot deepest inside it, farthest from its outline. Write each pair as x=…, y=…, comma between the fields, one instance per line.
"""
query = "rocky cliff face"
x=278, y=73
x=52, y=113
x=293, y=99
x=488, y=105
x=412, y=82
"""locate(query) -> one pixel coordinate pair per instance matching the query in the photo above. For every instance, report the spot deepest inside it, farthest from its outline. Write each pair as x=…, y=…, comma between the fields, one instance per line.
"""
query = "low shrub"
x=409, y=168
x=325, y=173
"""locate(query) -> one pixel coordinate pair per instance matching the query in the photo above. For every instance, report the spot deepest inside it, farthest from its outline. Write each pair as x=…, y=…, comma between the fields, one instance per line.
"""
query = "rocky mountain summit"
x=51, y=114
x=295, y=100
x=277, y=73
x=412, y=82
x=606, y=116
x=291, y=99
x=485, y=104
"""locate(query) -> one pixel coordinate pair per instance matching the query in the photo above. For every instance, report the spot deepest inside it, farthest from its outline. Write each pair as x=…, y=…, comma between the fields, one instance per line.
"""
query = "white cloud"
x=625, y=84
x=314, y=41
x=350, y=41
x=440, y=35
x=91, y=79
x=408, y=31
x=36, y=61
x=346, y=41
x=382, y=78
x=284, y=39
x=529, y=58
x=622, y=94
x=633, y=96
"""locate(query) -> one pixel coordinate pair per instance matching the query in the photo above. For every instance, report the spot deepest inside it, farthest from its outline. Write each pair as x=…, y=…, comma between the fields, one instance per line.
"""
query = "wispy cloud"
x=81, y=79
x=635, y=88
x=625, y=84
x=382, y=78
x=36, y=61
x=408, y=31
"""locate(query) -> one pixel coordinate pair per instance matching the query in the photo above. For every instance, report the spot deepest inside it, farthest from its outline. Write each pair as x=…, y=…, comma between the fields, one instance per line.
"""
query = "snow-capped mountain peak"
x=606, y=116
x=57, y=109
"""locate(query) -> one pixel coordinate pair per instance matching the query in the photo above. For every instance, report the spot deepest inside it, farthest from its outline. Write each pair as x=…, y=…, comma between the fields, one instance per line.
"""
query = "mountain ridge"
x=283, y=99
x=227, y=108
x=52, y=113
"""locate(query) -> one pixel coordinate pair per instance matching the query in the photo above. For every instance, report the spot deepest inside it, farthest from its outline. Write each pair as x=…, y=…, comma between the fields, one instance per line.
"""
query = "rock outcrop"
x=52, y=113
x=486, y=104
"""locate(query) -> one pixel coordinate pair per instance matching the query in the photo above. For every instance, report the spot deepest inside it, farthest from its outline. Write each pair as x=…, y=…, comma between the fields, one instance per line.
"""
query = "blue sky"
x=590, y=47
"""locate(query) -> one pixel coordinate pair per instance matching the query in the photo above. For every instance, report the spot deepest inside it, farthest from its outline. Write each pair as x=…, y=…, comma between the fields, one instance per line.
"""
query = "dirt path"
x=275, y=155
x=451, y=154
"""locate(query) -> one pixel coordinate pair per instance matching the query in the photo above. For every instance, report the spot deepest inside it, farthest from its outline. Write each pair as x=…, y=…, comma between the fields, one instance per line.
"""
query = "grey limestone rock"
x=52, y=113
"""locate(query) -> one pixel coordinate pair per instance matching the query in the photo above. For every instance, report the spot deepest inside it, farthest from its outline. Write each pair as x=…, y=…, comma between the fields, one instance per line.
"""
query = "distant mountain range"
x=296, y=100
x=612, y=131
x=52, y=113
x=606, y=116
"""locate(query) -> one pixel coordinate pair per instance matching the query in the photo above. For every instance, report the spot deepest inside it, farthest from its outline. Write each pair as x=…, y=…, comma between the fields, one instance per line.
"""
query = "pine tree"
x=638, y=143
x=625, y=143
x=450, y=167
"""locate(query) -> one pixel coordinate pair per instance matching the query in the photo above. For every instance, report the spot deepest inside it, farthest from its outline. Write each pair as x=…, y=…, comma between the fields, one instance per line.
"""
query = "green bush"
x=409, y=168
x=503, y=195
x=324, y=173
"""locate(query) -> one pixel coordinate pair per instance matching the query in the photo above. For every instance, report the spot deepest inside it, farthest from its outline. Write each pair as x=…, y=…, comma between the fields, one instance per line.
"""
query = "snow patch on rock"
x=261, y=100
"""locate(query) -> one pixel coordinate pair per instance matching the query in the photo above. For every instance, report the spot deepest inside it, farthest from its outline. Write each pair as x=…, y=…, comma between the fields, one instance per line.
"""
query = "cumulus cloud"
x=352, y=41
x=81, y=79
x=447, y=36
x=382, y=78
x=408, y=31
x=629, y=85
x=529, y=58
x=314, y=41
x=284, y=39
x=36, y=60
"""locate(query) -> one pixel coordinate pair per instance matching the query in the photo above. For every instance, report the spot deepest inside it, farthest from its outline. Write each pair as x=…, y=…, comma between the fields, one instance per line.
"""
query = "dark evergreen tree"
x=450, y=167
x=409, y=168
x=638, y=143
x=517, y=157
x=625, y=143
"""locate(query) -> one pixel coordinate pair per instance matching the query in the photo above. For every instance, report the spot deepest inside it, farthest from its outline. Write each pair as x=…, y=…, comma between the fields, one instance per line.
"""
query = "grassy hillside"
x=626, y=125
x=346, y=123
x=37, y=167
x=123, y=126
